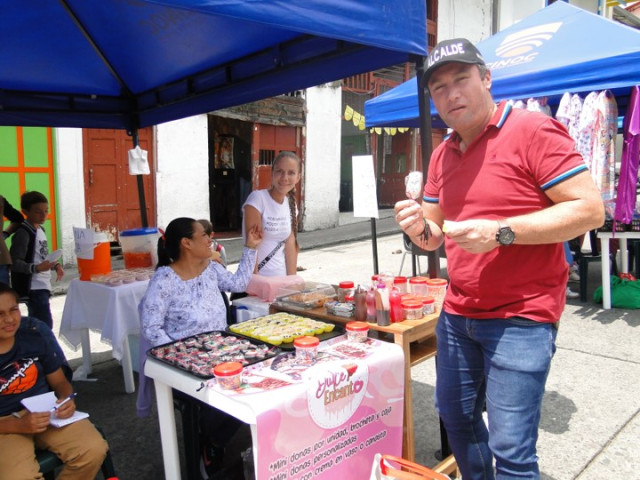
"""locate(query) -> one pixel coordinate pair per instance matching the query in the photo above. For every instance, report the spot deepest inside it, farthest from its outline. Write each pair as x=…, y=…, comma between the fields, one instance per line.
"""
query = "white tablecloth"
x=111, y=310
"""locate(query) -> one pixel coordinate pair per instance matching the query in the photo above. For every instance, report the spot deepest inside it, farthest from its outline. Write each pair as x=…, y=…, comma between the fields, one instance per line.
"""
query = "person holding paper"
x=31, y=269
x=32, y=363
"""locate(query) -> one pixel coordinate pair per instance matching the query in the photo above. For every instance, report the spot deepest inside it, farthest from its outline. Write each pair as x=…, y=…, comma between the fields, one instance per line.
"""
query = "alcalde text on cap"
x=445, y=51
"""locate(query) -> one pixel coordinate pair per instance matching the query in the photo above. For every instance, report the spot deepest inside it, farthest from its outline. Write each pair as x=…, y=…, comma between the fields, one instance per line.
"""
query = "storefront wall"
x=181, y=187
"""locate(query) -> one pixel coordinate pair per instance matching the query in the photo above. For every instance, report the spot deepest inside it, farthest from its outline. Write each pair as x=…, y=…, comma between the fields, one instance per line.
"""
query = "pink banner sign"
x=332, y=423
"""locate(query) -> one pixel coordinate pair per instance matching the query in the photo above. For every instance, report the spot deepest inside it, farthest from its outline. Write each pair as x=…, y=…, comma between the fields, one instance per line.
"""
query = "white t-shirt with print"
x=41, y=280
x=276, y=227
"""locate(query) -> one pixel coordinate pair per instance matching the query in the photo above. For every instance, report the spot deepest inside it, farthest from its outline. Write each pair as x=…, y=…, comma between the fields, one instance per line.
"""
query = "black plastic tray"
x=272, y=352
x=336, y=332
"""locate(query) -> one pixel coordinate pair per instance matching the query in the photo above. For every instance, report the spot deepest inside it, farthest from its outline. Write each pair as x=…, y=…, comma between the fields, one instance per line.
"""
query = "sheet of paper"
x=45, y=402
x=83, y=238
x=53, y=256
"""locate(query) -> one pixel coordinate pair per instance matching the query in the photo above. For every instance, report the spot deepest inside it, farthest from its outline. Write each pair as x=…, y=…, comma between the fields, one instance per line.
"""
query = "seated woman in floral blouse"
x=184, y=294
x=184, y=298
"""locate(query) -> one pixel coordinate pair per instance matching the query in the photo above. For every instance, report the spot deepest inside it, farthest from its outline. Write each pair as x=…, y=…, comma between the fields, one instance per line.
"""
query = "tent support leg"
x=143, y=204
x=426, y=145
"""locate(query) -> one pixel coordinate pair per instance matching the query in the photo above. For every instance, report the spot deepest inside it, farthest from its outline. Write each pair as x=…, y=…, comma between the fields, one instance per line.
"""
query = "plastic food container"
x=306, y=349
x=309, y=295
x=357, y=331
x=428, y=305
x=228, y=375
x=418, y=285
x=345, y=290
x=436, y=288
x=139, y=247
x=412, y=309
x=400, y=283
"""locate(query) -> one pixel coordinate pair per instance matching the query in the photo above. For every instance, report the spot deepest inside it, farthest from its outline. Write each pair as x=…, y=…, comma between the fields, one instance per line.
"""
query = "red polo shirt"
x=504, y=173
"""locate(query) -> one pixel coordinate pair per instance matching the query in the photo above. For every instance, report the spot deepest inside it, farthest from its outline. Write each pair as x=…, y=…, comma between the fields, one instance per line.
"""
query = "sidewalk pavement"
x=590, y=425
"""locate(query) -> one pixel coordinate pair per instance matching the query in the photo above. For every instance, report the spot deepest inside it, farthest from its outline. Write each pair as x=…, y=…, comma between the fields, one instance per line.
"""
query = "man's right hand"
x=409, y=217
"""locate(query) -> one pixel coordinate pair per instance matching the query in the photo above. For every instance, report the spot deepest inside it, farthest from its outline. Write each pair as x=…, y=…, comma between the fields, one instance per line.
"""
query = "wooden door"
x=268, y=141
x=111, y=194
x=394, y=155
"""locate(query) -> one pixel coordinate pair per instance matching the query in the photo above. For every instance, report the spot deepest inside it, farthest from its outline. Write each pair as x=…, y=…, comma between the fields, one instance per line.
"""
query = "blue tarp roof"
x=560, y=48
x=134, y=63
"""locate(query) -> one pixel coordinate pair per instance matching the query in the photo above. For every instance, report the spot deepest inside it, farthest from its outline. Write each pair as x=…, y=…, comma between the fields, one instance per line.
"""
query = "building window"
x=266, y=157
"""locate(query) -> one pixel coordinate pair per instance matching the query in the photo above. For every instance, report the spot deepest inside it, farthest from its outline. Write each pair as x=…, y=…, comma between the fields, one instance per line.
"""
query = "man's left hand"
x=474, y=236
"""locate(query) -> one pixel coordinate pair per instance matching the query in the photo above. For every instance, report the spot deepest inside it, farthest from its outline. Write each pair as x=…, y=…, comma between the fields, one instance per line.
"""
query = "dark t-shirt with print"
x=23, y=369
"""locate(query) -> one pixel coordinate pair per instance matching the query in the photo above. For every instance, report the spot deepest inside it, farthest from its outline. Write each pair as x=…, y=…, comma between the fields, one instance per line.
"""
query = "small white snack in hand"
x=413, y=183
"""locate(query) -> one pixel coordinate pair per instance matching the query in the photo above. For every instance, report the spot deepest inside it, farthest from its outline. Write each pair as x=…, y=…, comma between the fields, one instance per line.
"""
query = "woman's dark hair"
x=169, y=243
x=207, y=225
x=291, y=196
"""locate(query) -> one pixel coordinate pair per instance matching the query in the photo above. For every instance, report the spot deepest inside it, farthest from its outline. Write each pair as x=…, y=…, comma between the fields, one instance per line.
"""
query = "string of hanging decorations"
x=350, y=115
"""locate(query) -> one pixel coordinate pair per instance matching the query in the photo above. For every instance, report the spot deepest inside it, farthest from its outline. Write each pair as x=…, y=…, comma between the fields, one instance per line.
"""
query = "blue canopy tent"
x=134, y=63
x=560, y=48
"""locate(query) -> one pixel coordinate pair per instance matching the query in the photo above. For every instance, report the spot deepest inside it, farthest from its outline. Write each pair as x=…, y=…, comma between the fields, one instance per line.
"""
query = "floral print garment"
x=604, y=146
x=173, y=308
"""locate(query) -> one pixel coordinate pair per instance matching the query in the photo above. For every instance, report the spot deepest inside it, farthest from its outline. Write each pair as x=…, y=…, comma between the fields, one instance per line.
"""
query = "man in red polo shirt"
x=504, y=190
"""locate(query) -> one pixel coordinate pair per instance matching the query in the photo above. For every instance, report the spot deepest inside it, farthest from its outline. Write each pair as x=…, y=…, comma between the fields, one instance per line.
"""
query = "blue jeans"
x=38, y=306
x=4, y=274
x=502, y=363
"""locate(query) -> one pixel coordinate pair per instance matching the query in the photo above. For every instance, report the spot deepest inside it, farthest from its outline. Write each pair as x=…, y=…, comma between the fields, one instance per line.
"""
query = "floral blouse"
x=173, y=308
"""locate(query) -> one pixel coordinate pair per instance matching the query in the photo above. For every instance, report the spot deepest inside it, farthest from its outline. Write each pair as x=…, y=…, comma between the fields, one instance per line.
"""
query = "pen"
x=57, y=406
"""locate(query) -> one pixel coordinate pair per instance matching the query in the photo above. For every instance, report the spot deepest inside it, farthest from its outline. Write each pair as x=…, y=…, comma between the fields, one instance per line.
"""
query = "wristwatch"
x=504, y=235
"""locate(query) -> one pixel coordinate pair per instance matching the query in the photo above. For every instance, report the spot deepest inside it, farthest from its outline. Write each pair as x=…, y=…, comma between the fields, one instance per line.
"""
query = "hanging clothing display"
x=604, y=147
x=626, y=193
x=584, y=134
x=539, y=105
x=568, y=113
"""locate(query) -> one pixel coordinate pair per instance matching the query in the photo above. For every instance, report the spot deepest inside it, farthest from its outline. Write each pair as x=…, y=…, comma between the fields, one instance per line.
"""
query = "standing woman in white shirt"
x=274, y=211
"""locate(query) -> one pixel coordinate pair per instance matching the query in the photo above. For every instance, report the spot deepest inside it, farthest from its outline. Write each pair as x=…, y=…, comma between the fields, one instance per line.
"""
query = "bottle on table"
x=395, y=303
x=383, y=309
x=360, y=300
x=371, y=305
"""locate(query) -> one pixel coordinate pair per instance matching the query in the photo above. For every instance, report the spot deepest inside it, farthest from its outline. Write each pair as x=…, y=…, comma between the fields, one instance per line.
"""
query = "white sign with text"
x=365, y=199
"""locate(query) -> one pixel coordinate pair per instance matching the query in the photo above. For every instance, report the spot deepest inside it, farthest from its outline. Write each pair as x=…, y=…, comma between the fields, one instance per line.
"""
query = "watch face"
x=506, y=236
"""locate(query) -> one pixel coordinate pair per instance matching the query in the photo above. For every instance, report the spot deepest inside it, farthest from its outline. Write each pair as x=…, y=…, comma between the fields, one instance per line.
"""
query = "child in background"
x=31, y=271
x=218, y=255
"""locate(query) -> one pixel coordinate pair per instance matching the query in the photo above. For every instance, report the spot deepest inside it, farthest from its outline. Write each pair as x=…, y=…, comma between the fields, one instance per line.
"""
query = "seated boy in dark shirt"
x=31, y=363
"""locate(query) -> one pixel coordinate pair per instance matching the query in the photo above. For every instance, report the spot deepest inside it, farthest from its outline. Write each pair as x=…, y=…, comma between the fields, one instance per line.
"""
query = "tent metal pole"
x=426, y=146
x=143, y=204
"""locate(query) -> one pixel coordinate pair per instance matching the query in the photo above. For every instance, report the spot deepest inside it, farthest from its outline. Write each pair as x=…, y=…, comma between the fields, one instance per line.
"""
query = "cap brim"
x=431, y=70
